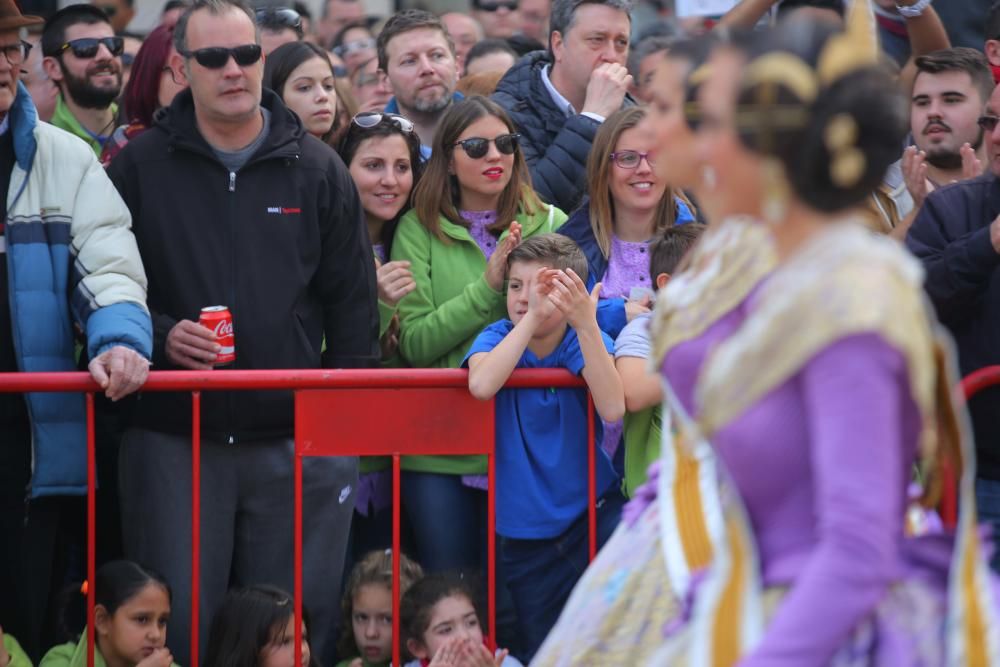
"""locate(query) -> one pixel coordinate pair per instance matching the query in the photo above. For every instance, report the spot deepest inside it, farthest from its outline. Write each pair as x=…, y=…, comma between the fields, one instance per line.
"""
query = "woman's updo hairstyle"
x=831, y=120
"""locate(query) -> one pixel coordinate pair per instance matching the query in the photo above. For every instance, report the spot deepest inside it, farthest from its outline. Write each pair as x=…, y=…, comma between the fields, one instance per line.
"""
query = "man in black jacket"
x=233, y=203
x=957, y=237
x=558, y=98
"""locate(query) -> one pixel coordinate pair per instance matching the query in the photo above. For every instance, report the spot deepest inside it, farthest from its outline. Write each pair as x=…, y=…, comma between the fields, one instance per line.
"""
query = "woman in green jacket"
x=130, y=620
x=473, y=205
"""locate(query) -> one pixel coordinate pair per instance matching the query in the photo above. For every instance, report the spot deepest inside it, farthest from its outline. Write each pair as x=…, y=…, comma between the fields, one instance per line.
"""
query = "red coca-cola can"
x=219, y=321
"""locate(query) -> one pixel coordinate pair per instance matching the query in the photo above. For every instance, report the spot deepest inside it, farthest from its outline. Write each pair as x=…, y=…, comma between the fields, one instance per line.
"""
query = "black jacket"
x=951, y=236
x=282, y=243
x=555, y=146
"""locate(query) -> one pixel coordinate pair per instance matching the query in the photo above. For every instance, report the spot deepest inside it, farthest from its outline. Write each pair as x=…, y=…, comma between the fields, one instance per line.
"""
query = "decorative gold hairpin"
x=855, y=48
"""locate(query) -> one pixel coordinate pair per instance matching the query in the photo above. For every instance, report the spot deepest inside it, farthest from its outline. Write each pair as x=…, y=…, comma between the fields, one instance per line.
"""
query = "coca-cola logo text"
x=223, y=329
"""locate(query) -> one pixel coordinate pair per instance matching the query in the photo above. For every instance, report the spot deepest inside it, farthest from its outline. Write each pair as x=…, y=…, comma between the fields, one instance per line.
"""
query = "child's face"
x=137, y=628
x=280, y=651
x=372, y=622
x=521, y=282
x=453, y=616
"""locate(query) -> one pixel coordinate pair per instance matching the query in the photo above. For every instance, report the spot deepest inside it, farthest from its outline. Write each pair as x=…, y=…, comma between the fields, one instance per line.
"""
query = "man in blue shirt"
x=417, y=54
x=541, y=434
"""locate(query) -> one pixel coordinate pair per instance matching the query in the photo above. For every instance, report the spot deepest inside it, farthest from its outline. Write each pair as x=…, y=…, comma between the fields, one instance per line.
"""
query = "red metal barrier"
x=324, y=397
x=971, y=384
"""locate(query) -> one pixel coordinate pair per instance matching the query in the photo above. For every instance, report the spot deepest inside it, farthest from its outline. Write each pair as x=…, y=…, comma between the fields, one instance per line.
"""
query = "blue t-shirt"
x=541, y=444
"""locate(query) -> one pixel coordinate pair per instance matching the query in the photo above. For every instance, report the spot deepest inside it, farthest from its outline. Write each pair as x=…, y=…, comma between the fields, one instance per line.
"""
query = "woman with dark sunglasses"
x=473, y=205
x=151, y=87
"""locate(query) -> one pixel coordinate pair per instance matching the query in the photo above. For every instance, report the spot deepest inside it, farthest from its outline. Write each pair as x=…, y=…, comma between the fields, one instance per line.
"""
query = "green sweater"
x=64, y=119
x=451, y=305
x=73, y=655
x=18, y=658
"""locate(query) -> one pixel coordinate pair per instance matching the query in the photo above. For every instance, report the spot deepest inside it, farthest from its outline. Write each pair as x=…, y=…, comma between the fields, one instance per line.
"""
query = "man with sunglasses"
x=957, y=237
x=68, y=266
x=83, y=58
x=278, y=25
x=500, y=18
x=234, y=203
x=559, y=97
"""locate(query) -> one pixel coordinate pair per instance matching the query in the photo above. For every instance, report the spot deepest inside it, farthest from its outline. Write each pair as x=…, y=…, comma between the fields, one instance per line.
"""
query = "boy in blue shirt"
x=541, y=434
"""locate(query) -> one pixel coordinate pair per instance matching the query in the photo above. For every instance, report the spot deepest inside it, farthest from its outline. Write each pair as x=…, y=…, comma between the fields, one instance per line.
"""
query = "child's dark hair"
x=554, y=250
x=115, y=583
x=417, y=605
x=667, y=251
x=374, y=569
x=248, y=620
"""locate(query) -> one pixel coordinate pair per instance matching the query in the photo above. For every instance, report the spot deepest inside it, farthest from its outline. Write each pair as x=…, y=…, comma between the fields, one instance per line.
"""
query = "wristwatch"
x=914, y=10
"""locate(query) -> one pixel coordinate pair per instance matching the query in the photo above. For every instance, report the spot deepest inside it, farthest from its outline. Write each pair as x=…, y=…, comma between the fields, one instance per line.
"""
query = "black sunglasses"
x=369, y=119
x=476, y=147
x=216, y=57
x=86, y=47
x=988, y=123
x=509, y=5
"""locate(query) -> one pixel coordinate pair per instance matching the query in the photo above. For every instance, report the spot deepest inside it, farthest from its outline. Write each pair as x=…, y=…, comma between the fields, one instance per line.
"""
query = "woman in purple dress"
x=804, y=543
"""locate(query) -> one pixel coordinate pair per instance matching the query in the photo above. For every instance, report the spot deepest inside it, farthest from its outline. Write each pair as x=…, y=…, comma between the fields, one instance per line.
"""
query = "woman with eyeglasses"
x=151, y=87
x=629, y=205
x=302, y=76
x=355, y=45
x=473, y=205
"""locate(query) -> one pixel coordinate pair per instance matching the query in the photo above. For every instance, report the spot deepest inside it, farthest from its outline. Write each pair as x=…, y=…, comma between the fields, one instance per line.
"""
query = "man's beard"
x=89, y=96
x=949, y=160
x=433, y=105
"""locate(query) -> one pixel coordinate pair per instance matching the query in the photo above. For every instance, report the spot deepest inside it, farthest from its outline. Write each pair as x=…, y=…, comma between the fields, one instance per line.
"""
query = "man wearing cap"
x=69, y=265
x=83, y=58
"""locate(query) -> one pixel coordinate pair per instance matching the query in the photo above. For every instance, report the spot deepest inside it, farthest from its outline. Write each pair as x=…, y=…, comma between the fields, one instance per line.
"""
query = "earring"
x=776, y=191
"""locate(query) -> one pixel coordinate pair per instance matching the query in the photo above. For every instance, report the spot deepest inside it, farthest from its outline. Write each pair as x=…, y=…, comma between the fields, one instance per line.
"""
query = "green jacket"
x=64, y=119
x=643, y=436
x=73, y=655
x=18, y=658
x=451, y=305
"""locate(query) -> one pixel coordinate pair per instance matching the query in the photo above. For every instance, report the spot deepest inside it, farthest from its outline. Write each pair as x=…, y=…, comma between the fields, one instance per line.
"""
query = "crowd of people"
x=766, y=243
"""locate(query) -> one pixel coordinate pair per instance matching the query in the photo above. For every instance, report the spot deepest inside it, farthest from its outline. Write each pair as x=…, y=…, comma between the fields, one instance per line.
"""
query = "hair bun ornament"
x=847, y=161
x=84, y=587
x=855, y=48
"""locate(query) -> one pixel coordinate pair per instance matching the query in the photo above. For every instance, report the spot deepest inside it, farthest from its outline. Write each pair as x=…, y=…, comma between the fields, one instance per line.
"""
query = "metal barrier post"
x=195, y=522
x=91, y=527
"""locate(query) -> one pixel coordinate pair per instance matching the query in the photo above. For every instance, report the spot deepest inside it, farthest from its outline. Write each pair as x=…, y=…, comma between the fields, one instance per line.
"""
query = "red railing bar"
x=297, y=520
x=491, y=546
x=397, y=638
x=195, y=522
x=976, y=381
x=591, y=478
x=91, y=529
x=289, y=379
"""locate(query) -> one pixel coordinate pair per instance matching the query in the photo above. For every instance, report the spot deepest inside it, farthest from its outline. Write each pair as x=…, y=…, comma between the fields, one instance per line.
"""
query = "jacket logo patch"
x=283, y=210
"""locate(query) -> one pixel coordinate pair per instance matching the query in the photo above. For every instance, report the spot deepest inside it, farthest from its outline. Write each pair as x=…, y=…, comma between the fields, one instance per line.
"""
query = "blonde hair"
x=374, y=569
x=599, y=166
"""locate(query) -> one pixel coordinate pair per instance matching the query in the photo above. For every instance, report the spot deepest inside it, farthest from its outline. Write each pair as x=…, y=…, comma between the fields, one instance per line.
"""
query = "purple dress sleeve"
x=857, y=403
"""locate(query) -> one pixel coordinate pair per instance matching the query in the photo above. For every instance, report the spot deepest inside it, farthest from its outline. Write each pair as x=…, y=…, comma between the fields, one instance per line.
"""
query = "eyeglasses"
x=369, y=119
x=631, y=159
x=279, y=17
x=476, y=147
x=16, y=53
x=509, y=5
x=988, y=123
x=87, y=47
x=216, y=57
x=356, y=46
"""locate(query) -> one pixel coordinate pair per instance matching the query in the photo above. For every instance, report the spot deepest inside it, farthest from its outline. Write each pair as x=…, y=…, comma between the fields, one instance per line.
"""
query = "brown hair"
x=552, y=250
x=484, y=83
x=374, y=569
x=960, y=59
x=599, y=166
x=405, y=21
x=437, y=194
x=670, y=247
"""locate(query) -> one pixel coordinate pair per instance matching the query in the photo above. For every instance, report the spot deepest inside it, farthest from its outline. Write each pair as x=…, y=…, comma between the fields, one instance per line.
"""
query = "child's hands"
x=477, y=655
x=570, y=296
x=394, y=281
x=539, y=303
x=160, y=657
x=449, y=653
x=496, y=267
